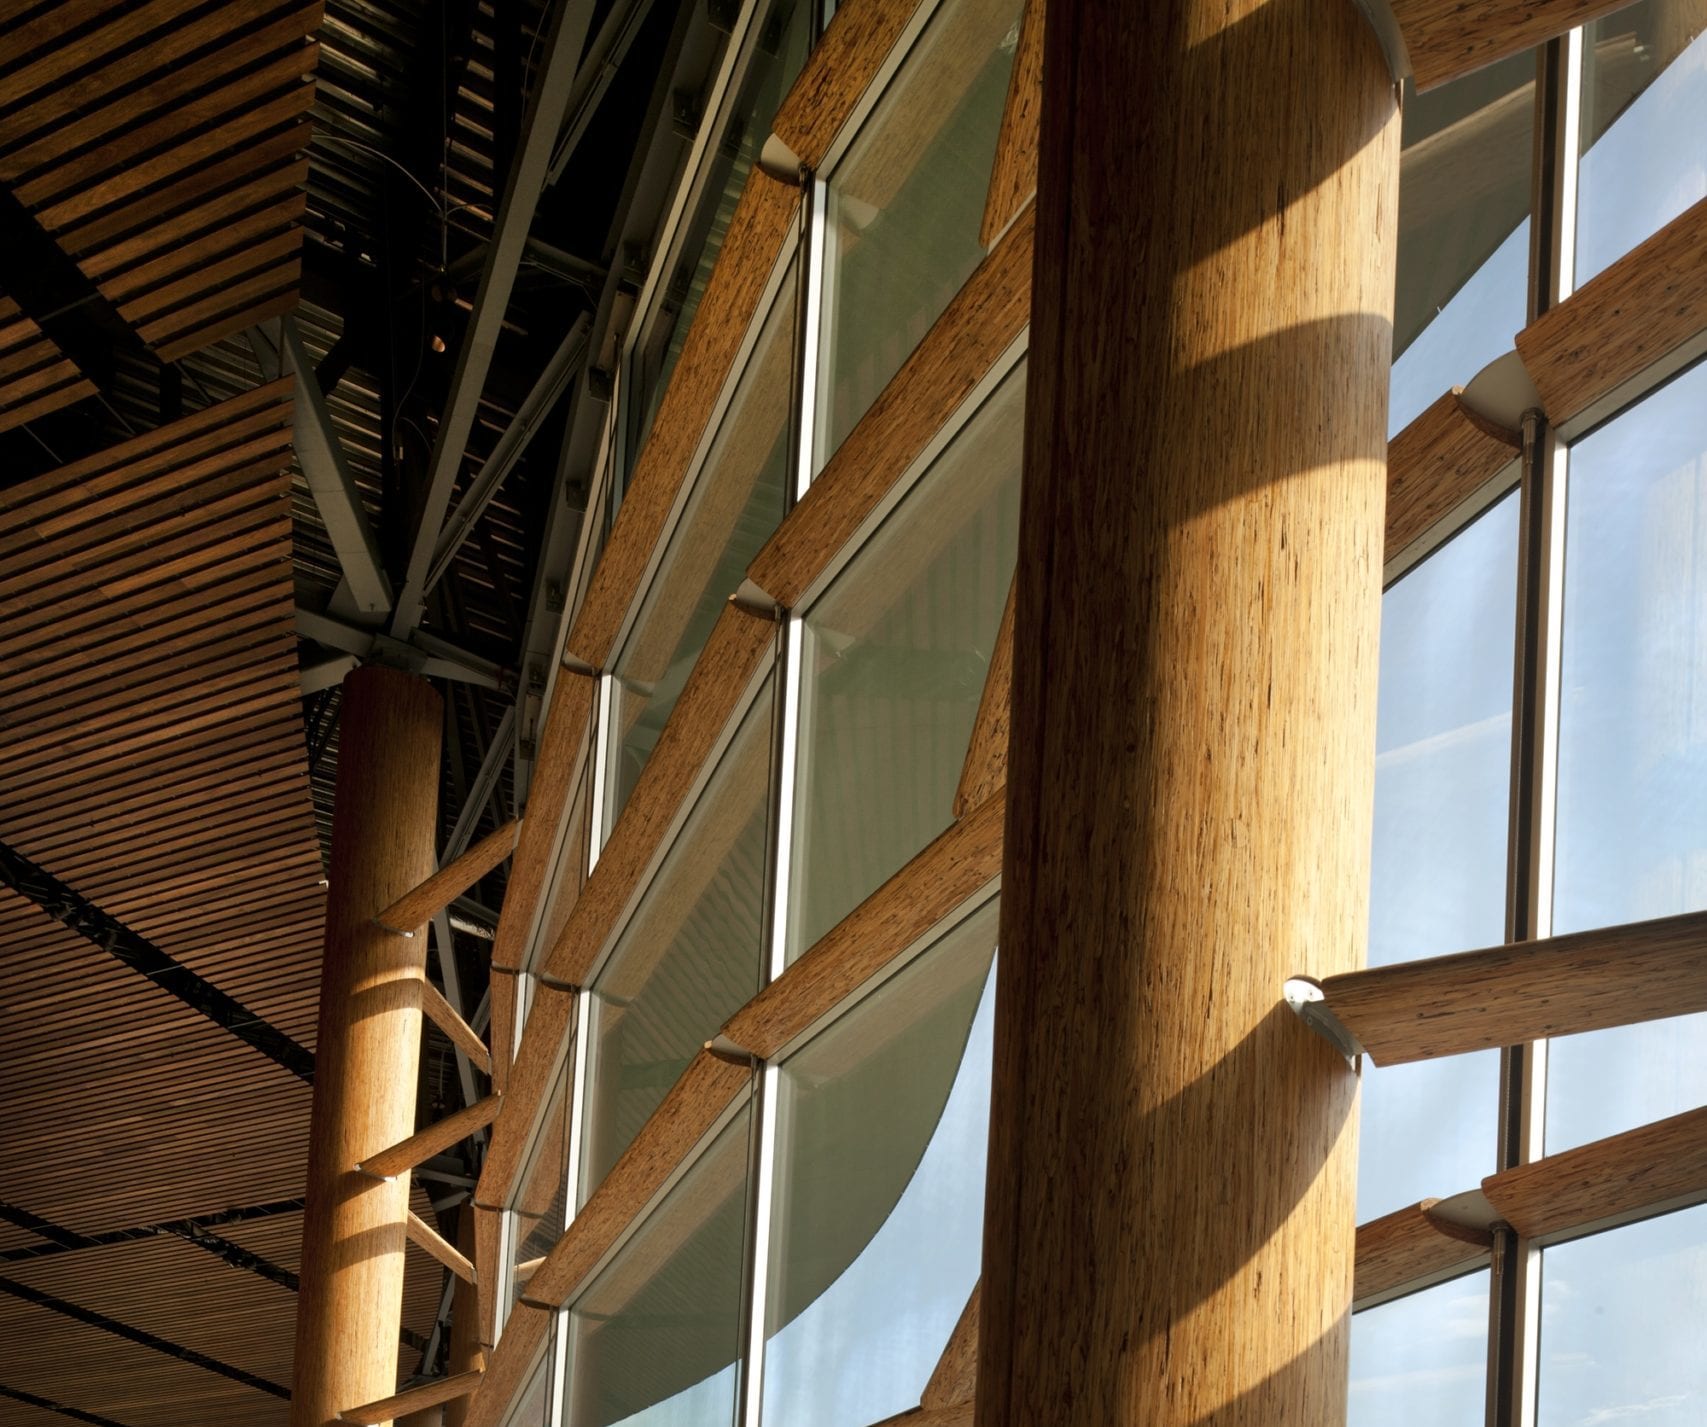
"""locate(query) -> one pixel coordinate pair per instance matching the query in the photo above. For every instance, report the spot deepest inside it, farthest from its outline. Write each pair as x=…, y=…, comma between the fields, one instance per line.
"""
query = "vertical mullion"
x=1514, y=1308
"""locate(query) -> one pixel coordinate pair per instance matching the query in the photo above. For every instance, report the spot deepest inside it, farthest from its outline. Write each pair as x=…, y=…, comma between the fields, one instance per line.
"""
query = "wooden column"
x=1170, y=1221
x=350, y=1305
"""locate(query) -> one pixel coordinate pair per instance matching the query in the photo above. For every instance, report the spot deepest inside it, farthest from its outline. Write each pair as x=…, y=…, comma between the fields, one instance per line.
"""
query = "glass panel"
x=656, y=1338
x=690, y=957
x=1621, y=1326
x=895, y=656
x=1442, y=774
x=1644, y=127
x=736, y=503
x=784, y=34
x=530, y=1409
x=878, y=1221
x=906, y=204
x=1421, y=1361
x=541, y=1204
x=1632, y=840
x=1463, y=231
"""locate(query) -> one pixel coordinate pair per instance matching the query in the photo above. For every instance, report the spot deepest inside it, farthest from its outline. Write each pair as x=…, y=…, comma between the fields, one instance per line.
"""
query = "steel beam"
x=522, y=187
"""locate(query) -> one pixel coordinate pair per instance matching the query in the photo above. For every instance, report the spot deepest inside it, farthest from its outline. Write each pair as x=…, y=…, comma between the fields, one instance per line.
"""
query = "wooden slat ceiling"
x=159, y=145
x=155, y=767
x=35, y=376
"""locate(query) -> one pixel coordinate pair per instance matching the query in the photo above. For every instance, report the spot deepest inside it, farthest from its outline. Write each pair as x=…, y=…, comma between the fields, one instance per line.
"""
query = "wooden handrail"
x=421, y=1146
x=415, y=908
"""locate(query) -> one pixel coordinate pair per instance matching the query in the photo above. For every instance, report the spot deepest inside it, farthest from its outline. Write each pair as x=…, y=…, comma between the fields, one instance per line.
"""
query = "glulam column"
x=366, y=1059
x=1170, y=1211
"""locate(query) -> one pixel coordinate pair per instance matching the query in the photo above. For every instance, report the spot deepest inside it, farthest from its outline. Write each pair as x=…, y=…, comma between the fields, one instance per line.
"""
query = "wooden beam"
x=543, y=1047
x=740, y=642
x=1634, y=316
x=488, y=1243
x=508, y=1366
x=986, y=767
x=942, y=372
x=1506, y=995
x=562, y=741
x=1448, y=38
x=763, y=221
x=415, y=908
x=443, y=1015
x=413, y=1399
x=1412, y=1249
x=421, y=1146
x=503, y=1032
x=1628, y=1176
x=837, y=74
x=1438, y=462
x=1014, y=178
x=955, y=1377
x=427, y=1237
x=680, y=1122
x=948, y=871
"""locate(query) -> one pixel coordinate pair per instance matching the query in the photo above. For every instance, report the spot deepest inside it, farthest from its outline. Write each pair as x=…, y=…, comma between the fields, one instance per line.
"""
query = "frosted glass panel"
x=878, y=1225
x=655, y=1340
x=736, y=503
x=1463, y=231
x=691, y=956
x=1442, y=774
x=1622, y=1322
x=896, y=653
x=1644, y=127
x=1421, y=1361
x=906, y=204
x=1632, y=835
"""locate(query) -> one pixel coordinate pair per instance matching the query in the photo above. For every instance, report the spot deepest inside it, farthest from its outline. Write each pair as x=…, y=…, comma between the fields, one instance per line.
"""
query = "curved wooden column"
x=350, y=1305
x=1170, y=1223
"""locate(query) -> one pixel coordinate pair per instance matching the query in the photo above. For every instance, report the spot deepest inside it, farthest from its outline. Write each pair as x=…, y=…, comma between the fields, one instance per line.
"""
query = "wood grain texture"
x=763, y=222
x=369, y=1047
x=443, y=1015
x=1622, y=321
x=1506, y=995
x=415, y=908
x=1437, y=463
x=413, y=1399
x=508, y=1366
x=986, y=767
x=427, y=1237
x=503, y=989
x=1190, y=769
x=563, y=741
x=544, y=1043
x=1014, y=178
x=1447, y=38
x=955, y=1377
x=488, y=1241
x=1410, y=1249
x=683, y=1118
x=740, y=643
x=948, y=871
x=837, y=74
x=466, y=1353
x=955, y=355
x=421, y=1146
x=1659, y=1165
